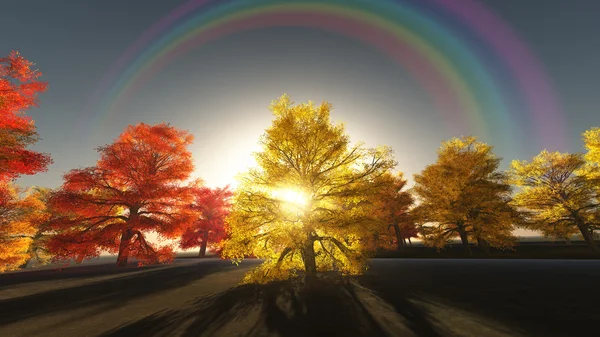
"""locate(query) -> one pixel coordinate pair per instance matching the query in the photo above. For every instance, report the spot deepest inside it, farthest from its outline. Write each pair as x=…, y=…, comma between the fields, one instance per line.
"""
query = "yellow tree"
x=591, y=139
x=22, y=230
x=464, y=194
x=558, y=193
x=308, y=205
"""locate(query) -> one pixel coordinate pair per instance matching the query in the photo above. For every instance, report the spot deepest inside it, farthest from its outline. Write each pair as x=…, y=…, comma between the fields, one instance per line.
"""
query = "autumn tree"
x=136, y=188
x=23, y=231
x=463, y=194
x=19, y=89
x=393, y=204
x=209, y=209
x=559, y=194
x=308, y=205
x=591, y=139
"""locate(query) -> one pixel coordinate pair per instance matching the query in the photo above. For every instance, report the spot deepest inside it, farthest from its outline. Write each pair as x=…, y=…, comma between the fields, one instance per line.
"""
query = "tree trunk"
x=484, y=246
x=30, y=251
x=202, y=252
x=481, y=243
x=464, y=238
x=126, y=236
x=409, y=242
x=587, y=235
x=308, y=256
x=399, y=238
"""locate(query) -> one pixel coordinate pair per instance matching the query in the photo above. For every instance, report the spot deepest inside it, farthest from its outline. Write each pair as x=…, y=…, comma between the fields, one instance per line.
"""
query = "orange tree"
x=136, y=188
x=209, y=209
x=393, y=210
x=19, y=89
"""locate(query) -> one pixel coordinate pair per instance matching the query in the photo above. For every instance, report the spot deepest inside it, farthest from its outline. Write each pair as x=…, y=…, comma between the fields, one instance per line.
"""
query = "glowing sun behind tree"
x=307, y=205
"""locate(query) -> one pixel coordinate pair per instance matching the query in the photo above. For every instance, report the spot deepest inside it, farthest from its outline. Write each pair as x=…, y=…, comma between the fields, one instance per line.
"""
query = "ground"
x=396, y=297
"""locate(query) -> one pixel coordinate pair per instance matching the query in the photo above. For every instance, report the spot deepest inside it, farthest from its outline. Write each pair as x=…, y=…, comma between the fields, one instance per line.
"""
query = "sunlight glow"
x=295, y=197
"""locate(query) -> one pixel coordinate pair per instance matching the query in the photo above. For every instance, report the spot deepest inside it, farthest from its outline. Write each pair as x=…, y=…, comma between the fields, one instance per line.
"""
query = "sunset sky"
x=220, y=90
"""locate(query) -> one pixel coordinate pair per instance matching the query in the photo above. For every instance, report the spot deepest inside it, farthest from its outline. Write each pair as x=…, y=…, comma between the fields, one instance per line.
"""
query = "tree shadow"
x=283, y=308
x=545, y=298
x=107, y=294
x=71, y=272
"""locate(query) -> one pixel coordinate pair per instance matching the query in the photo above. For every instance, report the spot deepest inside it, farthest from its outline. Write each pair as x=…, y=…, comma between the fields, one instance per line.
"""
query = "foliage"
x=591, y=139
x=463, y=194
x=22, y=227
x=19, y=89
x=393, y=204
x=559, y=194
x=308, y=205
x=136, y=188
x=210, y=208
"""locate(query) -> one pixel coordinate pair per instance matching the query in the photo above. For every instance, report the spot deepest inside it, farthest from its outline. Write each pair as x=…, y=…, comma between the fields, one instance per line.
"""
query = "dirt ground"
x=396, y=297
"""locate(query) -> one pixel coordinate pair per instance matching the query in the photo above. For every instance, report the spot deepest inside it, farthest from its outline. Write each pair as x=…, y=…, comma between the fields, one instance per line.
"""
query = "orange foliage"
x=21, y=222
x=19, y=88
x=393, y=210
x=135, y=188
x=210, y=208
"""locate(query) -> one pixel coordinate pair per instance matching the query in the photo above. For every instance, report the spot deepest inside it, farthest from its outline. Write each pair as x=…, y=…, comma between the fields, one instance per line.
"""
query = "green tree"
x=308, y=205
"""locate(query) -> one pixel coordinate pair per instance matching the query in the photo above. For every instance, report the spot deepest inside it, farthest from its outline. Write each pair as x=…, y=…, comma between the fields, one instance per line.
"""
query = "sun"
x=292, y=196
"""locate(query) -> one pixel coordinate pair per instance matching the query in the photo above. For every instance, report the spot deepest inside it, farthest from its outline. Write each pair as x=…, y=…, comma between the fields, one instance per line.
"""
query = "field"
x=396, y=297
x=523, y=250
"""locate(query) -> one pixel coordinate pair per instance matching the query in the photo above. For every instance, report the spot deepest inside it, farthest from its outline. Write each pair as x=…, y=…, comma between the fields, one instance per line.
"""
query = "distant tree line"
x=314, y=203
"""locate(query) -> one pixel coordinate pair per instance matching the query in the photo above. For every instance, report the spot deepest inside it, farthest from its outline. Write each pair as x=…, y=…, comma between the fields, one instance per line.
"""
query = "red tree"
x=210, y=208
x=19, y=88
x=135, y=188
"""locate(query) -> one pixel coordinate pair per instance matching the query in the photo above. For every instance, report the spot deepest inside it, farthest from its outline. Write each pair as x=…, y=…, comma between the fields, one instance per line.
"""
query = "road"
x=398, y=297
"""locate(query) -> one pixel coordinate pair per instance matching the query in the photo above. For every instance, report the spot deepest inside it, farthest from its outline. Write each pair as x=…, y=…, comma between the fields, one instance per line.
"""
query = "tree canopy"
x=393, y=205
x=209, y=209
x=308, y=203
x=463, y=194
x=19, y=89
x=137, y=187
x=22, y=226
x=559, y=194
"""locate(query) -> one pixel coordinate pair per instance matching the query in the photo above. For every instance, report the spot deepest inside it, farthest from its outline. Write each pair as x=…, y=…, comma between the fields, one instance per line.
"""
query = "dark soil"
x=396, y=297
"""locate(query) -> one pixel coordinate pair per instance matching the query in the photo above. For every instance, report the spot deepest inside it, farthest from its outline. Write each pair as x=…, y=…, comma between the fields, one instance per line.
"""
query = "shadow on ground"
x=279, y=309
x=526, y=297
x=70, y=272
x=409, y=298
x=106, y=294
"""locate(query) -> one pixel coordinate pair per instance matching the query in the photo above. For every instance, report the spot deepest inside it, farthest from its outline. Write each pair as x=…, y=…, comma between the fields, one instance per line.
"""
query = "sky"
x=220, y=91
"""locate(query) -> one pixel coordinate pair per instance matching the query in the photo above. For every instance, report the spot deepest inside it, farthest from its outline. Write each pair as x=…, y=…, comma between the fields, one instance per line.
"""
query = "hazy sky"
x=220, y=91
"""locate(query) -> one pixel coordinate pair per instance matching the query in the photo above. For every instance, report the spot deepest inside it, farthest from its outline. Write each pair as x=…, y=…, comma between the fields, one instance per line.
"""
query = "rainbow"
x=473, y=66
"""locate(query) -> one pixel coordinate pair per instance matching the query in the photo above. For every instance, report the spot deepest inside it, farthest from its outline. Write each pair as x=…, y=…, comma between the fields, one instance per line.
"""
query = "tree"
x=559, y=194
x=136, y=188
x=463, y=194
x=308, y=205
x=22, y=227
x=393, y=210
x=210, y=208
x=591, y=140
x=19, y=89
